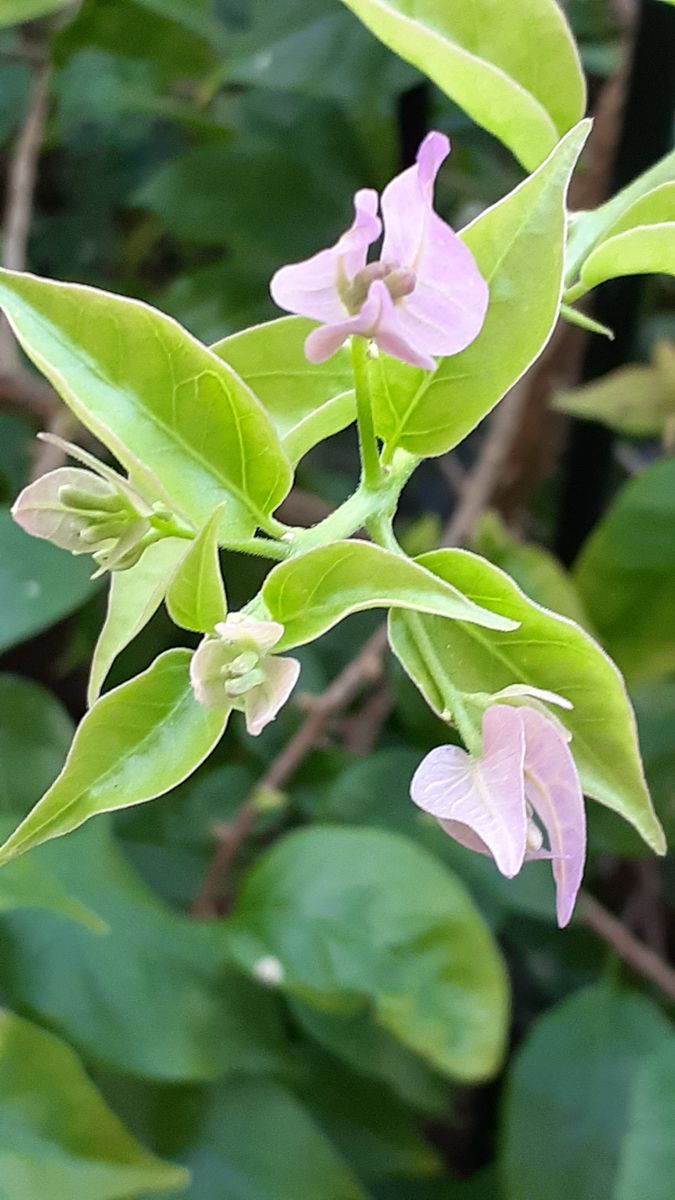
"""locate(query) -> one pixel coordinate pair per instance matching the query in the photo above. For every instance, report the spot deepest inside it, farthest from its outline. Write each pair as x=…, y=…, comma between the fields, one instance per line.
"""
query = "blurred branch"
x=641, y=958
x=20, y=390
x=365, y=668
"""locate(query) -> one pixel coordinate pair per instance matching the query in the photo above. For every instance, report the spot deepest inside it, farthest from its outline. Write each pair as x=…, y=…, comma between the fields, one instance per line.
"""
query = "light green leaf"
x=306, y=402
x=134, y=597
x=137, y=742
x=428, y=414
x=589, y=228
x=154, y=396
x=633, y=400
x=196, y=596
x=153, y=997
x=311, y=593
x=569, y=1100
x=39, y=584
x=538, y=572
x=362, y=917
x=654, y=208
x=487, y=57
x=451, y=662
x=626, y=574
x=646, y=250
x=14, y=12
x=58, y=1138
x=257, y=1142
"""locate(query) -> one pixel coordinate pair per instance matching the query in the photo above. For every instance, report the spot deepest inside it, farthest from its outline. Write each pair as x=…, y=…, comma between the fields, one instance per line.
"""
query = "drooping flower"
x=235, y=669
x=424, y=296
x=497, y=803
x=93, y=511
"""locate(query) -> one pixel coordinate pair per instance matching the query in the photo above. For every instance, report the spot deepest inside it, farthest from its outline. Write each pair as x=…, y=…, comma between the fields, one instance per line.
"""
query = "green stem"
x=372, y=472
x=574, y=293
x=260, y=546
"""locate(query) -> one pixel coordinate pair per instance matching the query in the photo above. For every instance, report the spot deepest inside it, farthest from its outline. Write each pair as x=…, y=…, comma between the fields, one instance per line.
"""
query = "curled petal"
x=552, y=788
x=311, y=288
x=377, y=319
x=206, y=677
x=262, y=704
x=486, y=796
x=39, y=510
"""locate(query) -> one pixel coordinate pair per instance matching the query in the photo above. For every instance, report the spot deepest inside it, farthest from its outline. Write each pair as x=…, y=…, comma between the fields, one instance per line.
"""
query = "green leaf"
x=39, y=584
x=626, y=574
x=569, y=1098
x=487, y=57
x=58, y=1136
x=153, y=997
x=137, y=742
x=27, y=884
x=361, y=917
x=134, y=597
x=538, y=572
x=35, y=733
x=655, y=710
x=589, y=228
x=654, y=208
x=257, y=1142
x=635, y=400
x=646, y=250
x=648, y=1152
x=196, y=596
x=306, y=402
x=454, y=663
x=311, y=593
x=154, y=396
x=428, y=414
x=15, y=12
x=194, y=15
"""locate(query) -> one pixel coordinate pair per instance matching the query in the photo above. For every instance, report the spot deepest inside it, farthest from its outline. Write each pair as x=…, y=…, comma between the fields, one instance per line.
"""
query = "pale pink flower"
x=235, y=669
x=497, y=804
x=424, y=296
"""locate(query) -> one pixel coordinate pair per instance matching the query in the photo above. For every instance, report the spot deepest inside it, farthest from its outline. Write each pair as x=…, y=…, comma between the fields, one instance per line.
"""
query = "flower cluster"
x=423, y=296
x=497, y=803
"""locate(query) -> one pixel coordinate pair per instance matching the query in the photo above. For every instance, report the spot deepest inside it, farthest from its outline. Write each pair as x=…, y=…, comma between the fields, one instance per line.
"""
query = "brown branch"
x=633, y=952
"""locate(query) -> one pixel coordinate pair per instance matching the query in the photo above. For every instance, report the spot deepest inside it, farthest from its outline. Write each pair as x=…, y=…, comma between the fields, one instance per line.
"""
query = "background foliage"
x=371, y=1013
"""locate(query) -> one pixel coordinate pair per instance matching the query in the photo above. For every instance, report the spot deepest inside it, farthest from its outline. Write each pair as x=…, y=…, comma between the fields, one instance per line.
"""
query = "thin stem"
x=260, y=546
x=574, y=293
x=372, y=472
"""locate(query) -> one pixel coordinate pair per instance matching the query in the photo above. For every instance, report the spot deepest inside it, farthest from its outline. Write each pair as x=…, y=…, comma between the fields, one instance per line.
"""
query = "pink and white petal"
x=407, y=203
x=386, y=331
x=553, y=789
x=310, y=288
x=464, y=836
x=262, y=704
x=38, y=510
x=446, y=310
x=484, y=795
x=325, y=341
x=239, y=628
x=206, y=678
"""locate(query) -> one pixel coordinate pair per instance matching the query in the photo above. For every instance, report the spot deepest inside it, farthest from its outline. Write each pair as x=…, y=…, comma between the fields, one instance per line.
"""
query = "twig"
x=359, y=732
x=364, y=668
x=483, y=479
x=633, y=952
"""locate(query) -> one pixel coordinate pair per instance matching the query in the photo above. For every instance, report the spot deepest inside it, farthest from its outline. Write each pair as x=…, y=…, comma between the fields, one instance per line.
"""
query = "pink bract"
x=424, y=296
x=489, y=803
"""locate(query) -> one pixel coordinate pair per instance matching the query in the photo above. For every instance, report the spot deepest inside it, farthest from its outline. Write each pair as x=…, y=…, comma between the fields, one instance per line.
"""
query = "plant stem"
x=370, y=461
x=263, y=547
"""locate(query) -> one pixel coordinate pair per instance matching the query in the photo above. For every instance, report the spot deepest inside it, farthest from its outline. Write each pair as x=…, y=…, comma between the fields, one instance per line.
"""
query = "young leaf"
x=65, y=1135
x=137, y=742
x=429, y=414
x=626, y=574
x=487, y=57
x=311, y=593
x=645, y=250
x=589, y=228
x=633, y=400
x=134, y=597
x=325, y=902
x=196, y=596
x=154, y=396
x=306, y=402
x=451, y=661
